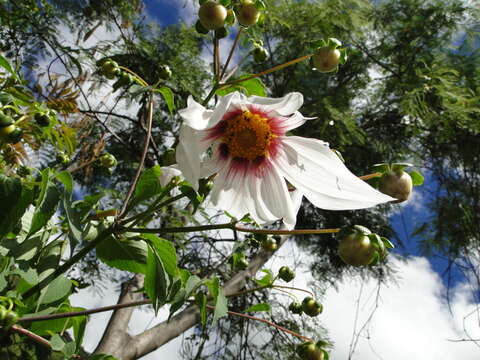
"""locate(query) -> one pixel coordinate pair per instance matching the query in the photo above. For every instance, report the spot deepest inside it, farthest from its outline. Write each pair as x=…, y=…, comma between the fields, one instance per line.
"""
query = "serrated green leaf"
x=168, y=97
x=417, y=178
x=128, y=254
x=156, y=280
x=148, y=184
x=259, y=307
x=201, y=301
x=46, y=203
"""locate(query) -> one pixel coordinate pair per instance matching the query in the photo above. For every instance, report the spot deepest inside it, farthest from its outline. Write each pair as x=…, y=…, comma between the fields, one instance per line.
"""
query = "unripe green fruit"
x=3, y=314
x=296, y=308
x=286, y=274
x=247, y=13
x=108, y=160
x=269, y=244
x=164, y=72
x=15, y=136
x=398, y=185
x=212, y=15
x=109, y=69
x=326, y=59
x=355, y=247
x=260, y=54
x=309, y=351
x=5, y=120
x=311, y=307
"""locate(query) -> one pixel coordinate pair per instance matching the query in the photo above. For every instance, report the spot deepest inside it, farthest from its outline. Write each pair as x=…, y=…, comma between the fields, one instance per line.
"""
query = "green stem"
x=184, y=229
x=268, y=322
x=286, y=232
x=210, y=95
x=232, y=50
x=293, y=288
x=268, y=71
x=68, y=264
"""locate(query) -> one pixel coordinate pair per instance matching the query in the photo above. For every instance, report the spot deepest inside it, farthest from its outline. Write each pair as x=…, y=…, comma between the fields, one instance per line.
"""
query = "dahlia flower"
x=243, y=141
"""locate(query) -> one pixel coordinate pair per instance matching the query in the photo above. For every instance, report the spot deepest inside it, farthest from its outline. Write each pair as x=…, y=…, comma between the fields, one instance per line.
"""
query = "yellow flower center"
x=248, y=136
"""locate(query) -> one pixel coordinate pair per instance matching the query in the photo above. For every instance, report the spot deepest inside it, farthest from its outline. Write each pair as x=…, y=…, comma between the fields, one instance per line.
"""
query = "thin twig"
x=142, y=159
x=32, y=336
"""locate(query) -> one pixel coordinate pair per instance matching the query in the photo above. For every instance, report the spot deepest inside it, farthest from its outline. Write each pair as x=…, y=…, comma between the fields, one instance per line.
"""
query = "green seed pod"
x=63, y=158
x=109, y=69
x=10, y=319
x=309, y=351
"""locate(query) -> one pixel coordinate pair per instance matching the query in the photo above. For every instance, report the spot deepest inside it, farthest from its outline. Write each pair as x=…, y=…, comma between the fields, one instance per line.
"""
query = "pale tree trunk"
x=117, y=342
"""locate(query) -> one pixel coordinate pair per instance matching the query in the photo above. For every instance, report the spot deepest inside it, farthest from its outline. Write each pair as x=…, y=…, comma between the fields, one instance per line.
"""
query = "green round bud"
x=212, y=15
x=221, y=33
x=164, y=72
x=260, y=54
x=10, y=319
x=326, y=59
x=286, y=274
x=311, y=307
x=309, y=351
x=109, y=69
x=247, y=13
x=63, y=158
x=269, y=244
x=295, y=308
x=108, y=160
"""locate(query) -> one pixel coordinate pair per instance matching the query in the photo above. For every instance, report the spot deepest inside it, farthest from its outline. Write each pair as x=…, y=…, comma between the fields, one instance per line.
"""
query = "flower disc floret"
x=247, y=136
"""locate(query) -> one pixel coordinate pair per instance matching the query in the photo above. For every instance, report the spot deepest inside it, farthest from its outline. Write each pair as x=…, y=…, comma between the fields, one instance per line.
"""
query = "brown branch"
x=32, y=336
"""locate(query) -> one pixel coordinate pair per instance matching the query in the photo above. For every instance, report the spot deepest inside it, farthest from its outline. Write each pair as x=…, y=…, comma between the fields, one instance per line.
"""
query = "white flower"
x=243, y=142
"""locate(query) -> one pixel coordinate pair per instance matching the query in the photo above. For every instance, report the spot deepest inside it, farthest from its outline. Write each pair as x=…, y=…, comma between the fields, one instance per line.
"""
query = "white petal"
x=257, y=207
x=195, y=115
x=297, y=198
x=168, y=173
x=294, y=121
x=284, y=106
x=188, y=154
x=318, y=173
x=277, y=199
x=224, y=105
x=228, y=193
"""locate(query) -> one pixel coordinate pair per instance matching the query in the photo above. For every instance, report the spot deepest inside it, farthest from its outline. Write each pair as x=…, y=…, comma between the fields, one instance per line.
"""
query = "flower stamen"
x=248, y=136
